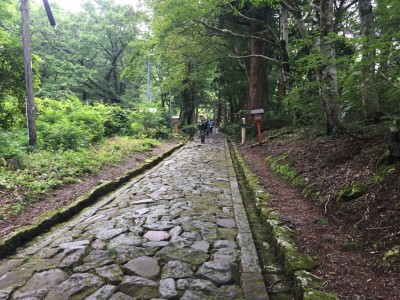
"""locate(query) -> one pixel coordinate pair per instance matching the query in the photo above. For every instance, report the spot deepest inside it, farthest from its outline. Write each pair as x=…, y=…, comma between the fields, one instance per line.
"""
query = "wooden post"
x=30, y=106
x=243, y=131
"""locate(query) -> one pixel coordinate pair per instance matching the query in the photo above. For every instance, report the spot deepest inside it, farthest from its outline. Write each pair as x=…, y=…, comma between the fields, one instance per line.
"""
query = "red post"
x=259, y=131
x=257, y=115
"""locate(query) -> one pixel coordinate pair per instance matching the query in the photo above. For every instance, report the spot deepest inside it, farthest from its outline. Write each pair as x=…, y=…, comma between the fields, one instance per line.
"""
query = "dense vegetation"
x=321, y=62
x=87, y=114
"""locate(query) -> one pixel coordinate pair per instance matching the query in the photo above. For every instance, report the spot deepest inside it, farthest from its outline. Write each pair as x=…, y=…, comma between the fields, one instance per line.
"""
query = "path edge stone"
x=297, y=265
x=43, y=223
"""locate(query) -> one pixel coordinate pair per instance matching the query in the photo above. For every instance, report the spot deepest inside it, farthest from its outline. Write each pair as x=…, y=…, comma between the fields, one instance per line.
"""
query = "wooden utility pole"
x=30, y=106
x=26, y=39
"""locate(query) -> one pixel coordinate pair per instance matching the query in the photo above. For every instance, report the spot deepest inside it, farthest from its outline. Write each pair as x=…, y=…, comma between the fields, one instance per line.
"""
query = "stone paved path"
x=179, y=231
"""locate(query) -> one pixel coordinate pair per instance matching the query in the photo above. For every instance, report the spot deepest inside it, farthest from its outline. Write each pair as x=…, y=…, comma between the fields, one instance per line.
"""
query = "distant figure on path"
x=210, y=125
x=207, y=127
x=217, y=127
x=202, y=129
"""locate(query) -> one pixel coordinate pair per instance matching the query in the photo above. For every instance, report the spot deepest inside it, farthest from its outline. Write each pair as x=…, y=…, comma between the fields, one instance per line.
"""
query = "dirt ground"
x=348, y=238
x=68, y=193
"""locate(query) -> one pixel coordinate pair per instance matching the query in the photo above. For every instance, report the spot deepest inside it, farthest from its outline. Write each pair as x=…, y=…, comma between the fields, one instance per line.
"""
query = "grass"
x=42, y=171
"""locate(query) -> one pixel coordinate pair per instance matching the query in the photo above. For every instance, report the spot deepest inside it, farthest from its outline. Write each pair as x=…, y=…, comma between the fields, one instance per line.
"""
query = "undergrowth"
x=41, y=171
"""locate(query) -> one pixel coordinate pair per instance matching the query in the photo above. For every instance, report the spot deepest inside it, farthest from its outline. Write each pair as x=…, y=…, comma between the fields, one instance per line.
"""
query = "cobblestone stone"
x=179, y=231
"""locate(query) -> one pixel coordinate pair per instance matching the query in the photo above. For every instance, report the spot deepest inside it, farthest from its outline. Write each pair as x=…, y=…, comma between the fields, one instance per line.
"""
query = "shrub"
x=150, y=122
x=117, y=121
x=68, y=124
x=11, y=113
x=64, y=135
x=13, y=145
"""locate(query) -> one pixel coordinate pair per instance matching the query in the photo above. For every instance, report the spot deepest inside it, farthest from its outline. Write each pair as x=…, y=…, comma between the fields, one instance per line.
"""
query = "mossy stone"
x=350, y=193
x=295, y=261
x=312, y=294
x=267, y=213
x=304, y=280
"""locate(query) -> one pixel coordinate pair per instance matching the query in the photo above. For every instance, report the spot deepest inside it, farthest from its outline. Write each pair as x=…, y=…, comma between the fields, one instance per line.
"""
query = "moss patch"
x=311, y=191
x=282, y=168
x=391, y=258
x=349, y=193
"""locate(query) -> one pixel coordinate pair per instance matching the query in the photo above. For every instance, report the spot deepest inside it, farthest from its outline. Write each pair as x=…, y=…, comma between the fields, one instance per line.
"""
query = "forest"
x=107, y=78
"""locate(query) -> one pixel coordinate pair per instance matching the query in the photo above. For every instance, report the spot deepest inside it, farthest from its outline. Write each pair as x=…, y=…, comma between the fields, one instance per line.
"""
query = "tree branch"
x=227, y=32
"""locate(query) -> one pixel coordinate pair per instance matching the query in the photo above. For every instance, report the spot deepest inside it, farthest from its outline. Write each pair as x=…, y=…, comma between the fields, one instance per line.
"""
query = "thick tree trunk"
x=258, y=82
x=369, y=95
x=188, y=98
x=329, y=86
x=257, y=71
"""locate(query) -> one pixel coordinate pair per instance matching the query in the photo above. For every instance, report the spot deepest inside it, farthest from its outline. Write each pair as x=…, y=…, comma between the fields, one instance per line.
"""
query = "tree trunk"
x=329, y=86
x=258, y=82
x=369, y=95
x=284, y=39
x=257, y=72
x=188, y=98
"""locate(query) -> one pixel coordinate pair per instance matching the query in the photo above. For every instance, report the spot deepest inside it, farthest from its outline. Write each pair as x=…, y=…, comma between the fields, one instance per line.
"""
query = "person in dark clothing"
x=202, y=128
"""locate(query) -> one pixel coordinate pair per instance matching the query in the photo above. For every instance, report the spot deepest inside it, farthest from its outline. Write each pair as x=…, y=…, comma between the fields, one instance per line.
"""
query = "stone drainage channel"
x=279, y=286
x=178, y=231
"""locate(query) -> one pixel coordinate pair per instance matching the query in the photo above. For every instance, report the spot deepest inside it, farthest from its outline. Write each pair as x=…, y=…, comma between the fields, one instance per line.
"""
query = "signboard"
x=257, y=111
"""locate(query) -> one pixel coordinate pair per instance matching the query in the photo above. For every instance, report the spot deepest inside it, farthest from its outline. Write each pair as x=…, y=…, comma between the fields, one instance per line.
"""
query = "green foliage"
x=304, y=103
x=69, y=124
x=117, y=121
x=14, y=144
x=41, y=171
x=86, y=54
x=72, y=125
x=12, y=83
x=11, y=113
x=65, y=135
x=151, y=122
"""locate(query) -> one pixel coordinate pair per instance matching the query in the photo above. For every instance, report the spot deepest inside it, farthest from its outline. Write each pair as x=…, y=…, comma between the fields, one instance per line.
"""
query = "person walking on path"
x=202, y=129
x=217, y=127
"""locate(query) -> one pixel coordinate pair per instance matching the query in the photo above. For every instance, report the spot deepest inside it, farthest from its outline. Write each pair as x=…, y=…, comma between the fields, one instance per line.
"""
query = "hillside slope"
x=344, y=203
